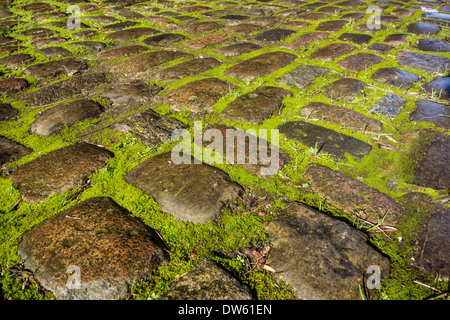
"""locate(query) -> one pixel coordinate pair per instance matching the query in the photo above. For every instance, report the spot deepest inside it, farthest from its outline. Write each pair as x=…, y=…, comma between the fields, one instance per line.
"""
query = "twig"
x=15, y=205
x=427, y=286
x=438, y=296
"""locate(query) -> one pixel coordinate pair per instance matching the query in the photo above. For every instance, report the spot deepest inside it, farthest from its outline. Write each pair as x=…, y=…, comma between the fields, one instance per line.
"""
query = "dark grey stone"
x=327, y=141
x=321, y=257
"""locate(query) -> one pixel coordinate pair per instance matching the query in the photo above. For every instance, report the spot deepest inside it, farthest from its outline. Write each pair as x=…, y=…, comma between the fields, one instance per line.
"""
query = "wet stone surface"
x=56, y=118
x=109, y=247
x=261, y=65
x=200, y=95
x=435, y=45
x=179, y=188
x=389, y=106
x=307, y=242
x=429, y=111
x=256, y=106
x=59, y=170
x=345, y=89
x=421, y=28
x=207, y=281
x=136, y=91
x=303, y=76
x=56, y=68
x=90, y=115
x=11, y=151
x=327, y=141
x=432, y=170
x=439, y=87
x=425, y=62
x=395, y=77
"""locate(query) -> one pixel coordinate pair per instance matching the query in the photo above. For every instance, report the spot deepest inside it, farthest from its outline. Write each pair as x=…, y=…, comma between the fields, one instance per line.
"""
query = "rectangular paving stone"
x=191, y=192
x=305, y=39
x=339, y=115
x=332, y=51
x=261, y=65
x=256, y=106
x=11, y=151
x=127, y=34
x=199, y=96
x=58, y=171
x=208, y=40
x=360, y=61
x=425, y=62
x=352, y=196
x=143, y=62
x=395, y=77
x=56, y=68
x=303, y=76
x=65, y=89
x=188, y=68
x=389, y=106
x=429, y=111
x=321, y=257
x=327, y=141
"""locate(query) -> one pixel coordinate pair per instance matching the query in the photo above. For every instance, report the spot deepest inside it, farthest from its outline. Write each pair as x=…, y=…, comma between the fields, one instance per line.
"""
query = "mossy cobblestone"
x=87, y=113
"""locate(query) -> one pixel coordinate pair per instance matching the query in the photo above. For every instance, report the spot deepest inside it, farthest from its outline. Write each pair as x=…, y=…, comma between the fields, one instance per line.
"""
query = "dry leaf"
x=268, y=268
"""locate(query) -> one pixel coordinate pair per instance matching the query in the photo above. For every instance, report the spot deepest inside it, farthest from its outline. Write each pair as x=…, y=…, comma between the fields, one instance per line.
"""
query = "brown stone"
x=188, y=68
x=342, y=116
x=179, y=188
x=17, y=60
x=208, y=40
x=65, y=89
x=56, y=118
x=305, y=39
x=12, y=85
x=345, y=89
x=360, y=61
x=332, y=51
x=199, y=95
x=261, y=65
x=122, y=52
x=352, y=196
x=202, y=27
x=105, y=245
x=11, y=151
x=143, y=62
x=58, y=171
x=256, y=106
x=132, y=33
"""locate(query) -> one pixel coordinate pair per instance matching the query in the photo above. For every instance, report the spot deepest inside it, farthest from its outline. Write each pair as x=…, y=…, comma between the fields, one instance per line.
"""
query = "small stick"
x=426, y=286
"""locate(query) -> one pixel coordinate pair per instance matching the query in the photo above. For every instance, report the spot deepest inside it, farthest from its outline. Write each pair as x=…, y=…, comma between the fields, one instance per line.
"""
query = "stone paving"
x=97, y=95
